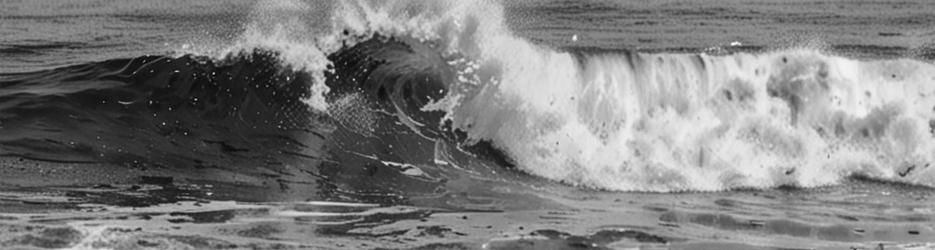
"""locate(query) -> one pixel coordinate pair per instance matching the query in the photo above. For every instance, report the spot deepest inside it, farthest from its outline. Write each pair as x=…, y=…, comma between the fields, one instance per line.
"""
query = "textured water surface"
x=466, y=125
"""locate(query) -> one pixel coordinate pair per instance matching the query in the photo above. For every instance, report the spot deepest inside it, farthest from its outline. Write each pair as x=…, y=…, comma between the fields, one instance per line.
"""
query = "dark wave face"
x=179, y=99
x=385, y=143
x=466, y=124
x=241, y=122
x=398, y=76
x=187, y=117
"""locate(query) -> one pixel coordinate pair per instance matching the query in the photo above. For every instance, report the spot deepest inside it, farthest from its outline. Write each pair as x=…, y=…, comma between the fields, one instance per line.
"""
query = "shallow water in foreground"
x=860, y=214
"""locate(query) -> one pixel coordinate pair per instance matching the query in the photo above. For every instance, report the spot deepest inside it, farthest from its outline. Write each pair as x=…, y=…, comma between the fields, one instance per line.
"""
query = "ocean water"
x=734, y=124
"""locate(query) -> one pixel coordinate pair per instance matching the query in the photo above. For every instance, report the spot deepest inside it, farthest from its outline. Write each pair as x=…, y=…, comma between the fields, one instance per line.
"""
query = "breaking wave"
x=624, y=120
x=615, y=120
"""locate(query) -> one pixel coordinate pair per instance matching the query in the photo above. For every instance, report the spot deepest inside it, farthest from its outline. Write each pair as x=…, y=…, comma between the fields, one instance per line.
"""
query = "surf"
x=677, y=122
x=633, y=121
x=452, y=72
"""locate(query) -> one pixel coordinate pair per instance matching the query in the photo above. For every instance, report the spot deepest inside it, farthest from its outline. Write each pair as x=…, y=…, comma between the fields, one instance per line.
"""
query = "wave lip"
x=670, y=122
x=450, y=70
x=634, y=121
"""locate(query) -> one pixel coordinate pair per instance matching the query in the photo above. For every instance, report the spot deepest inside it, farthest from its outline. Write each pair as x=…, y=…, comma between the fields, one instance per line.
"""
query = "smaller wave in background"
x=123, y=101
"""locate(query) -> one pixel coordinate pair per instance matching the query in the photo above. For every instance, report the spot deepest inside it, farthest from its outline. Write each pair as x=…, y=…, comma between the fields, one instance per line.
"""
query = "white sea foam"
x=664, y=122
x=653, y=122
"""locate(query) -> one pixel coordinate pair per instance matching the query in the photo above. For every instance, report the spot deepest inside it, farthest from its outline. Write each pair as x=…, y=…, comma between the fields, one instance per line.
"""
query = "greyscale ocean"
x=630, y=124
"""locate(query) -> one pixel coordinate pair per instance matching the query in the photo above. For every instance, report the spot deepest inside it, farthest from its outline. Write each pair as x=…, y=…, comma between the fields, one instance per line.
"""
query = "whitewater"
x=483, y=124
x=636, y=121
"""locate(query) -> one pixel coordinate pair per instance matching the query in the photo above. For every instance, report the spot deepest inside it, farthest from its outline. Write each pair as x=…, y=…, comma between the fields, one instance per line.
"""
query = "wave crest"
x=669, y=122
x=625, y=120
